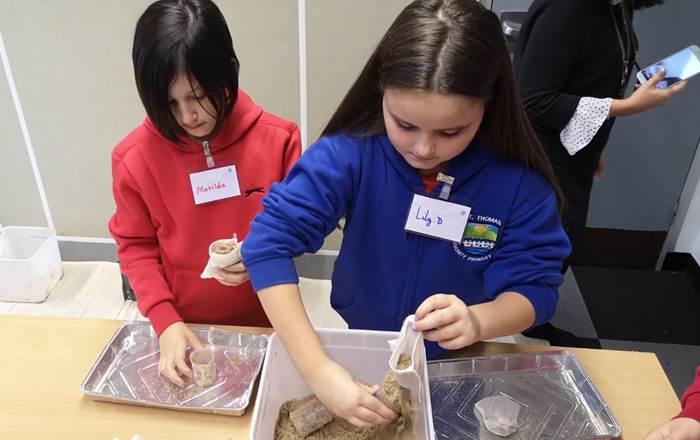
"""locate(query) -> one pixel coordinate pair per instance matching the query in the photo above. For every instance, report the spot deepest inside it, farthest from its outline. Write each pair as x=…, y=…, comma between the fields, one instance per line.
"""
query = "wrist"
x=621, y=107
x=162, y=316
x=475, y=317
x=313, y=363
x=691, y=408
x=313, y=373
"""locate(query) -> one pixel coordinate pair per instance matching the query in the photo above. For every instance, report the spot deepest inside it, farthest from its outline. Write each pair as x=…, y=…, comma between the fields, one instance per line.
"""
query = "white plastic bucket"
x=30, y=263
x=365, y=354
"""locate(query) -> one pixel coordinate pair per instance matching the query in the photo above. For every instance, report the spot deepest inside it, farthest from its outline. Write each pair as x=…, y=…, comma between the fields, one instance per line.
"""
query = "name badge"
x=215, y=184
x=437, y=218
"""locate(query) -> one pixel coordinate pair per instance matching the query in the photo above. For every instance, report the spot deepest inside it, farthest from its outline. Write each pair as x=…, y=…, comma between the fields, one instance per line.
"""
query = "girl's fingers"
x=231, y=279
x=375, y=406
x=454, y=343
x=194, y=341
x=359, y=422
x=371, y=417
x=433, y=303
x=235, y=268
x=439, y=319
x=169, y=372
x=442, y=334
x=182, y=365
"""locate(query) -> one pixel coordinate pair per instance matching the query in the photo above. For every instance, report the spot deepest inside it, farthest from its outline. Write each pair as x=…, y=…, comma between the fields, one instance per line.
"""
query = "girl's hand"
x=233, y=275
x=173, y=344
x=676, y=429
x=445, y=319
x=344, y=397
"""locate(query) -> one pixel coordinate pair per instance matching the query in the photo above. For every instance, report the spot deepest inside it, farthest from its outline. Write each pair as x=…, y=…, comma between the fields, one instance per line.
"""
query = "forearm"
x=509, y=313
x=285, y=310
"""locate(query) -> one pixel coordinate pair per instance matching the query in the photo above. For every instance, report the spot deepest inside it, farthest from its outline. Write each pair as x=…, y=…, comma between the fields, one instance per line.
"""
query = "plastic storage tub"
x=30, y=264
x=365, y=354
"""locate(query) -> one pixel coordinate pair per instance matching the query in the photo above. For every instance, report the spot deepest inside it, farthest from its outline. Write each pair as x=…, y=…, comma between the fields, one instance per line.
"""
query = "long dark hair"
x=189, y=37
x=450, y=47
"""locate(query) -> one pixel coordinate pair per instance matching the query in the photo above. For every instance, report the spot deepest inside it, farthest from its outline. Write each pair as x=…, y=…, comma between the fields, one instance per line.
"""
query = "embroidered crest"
x=479, y=238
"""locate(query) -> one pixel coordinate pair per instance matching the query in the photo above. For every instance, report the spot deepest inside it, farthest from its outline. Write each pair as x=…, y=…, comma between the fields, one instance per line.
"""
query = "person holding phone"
x=573, y=61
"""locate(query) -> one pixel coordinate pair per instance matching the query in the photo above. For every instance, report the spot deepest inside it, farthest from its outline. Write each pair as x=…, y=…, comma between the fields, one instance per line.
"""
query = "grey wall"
x=75, y=82
x=71, y=68
x=19, y=199
x=499, y=6
x=341, y=36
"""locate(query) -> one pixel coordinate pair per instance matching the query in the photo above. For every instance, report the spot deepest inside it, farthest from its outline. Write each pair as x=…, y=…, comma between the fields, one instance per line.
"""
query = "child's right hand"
x=173, y=344
x=344, y=397
x=447, y=320
x=676, y=429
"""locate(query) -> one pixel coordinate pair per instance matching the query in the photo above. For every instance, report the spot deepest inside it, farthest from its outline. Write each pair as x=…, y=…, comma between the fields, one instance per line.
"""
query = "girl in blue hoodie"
x=451, y=208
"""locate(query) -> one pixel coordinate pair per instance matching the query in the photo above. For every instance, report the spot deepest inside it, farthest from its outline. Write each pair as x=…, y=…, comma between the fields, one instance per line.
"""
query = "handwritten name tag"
x=437, y=218
x=215, y=184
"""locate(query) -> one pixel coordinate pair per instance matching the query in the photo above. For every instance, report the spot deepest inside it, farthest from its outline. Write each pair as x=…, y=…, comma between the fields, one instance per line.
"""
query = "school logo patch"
x=479, y=238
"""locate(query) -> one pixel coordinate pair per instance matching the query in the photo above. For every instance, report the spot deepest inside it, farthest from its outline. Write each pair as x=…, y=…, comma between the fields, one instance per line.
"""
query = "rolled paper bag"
x=226, y=252
x=407, y=358
x=310, y=417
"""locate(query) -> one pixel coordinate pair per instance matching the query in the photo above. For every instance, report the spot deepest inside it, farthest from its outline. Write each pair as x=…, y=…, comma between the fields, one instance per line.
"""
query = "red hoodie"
x=691, y=400
x=163, y=238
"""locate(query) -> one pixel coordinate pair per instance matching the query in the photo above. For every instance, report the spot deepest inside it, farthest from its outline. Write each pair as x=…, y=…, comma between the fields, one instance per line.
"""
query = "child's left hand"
x=677, y=429
x=233, y=275
x=445, y=319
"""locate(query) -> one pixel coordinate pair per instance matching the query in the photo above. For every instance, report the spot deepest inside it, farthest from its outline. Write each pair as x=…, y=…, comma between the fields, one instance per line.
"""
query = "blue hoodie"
x=514, y=240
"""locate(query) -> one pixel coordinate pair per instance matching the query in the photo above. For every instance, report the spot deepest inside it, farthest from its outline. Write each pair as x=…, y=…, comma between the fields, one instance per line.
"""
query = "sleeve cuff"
x=542, y=297
x=691, y=407
x=272, y=272
x=162, y=315
x=590, y=115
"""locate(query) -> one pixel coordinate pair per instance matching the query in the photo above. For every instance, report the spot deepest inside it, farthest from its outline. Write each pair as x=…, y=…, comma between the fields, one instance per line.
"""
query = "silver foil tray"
x=127, y=371
x=557, y=399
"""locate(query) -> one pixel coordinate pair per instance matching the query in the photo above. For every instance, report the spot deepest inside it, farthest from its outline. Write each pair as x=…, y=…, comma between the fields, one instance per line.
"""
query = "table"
x=44, y=360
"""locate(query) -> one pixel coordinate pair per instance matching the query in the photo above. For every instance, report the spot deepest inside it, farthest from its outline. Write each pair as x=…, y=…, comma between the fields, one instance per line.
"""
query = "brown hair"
x=449, y=47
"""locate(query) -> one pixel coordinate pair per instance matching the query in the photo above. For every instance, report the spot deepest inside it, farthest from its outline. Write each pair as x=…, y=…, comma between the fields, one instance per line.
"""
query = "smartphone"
x=680, y=66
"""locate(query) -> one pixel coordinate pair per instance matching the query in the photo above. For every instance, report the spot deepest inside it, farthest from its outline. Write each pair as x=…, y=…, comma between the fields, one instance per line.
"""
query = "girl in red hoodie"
x=686, y=425
x=193, y=172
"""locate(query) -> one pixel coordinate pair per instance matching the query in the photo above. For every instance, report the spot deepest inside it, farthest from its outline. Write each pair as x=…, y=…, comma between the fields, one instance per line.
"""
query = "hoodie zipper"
x=207, y=154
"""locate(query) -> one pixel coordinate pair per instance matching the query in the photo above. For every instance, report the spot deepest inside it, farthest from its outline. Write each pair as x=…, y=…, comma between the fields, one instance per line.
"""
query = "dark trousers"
x=575, y=177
